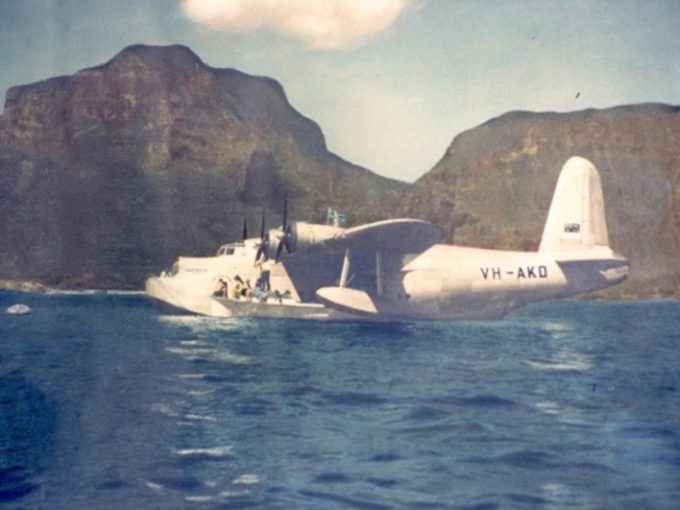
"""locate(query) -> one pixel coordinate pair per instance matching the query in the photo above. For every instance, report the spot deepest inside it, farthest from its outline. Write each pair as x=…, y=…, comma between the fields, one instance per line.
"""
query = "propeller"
x=264, y=240
x=287, y=236
x=245, y=229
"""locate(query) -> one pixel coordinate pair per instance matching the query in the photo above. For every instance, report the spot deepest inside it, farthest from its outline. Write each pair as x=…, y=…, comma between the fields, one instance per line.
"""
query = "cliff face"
x=494, y=184
x=111, y=173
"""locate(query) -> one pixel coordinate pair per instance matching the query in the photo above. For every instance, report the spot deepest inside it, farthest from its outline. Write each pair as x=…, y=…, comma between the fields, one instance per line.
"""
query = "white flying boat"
x=394, y=270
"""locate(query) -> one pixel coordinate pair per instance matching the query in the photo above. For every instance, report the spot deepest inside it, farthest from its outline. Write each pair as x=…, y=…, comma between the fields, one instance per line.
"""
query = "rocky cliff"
x=113, y=172
x=494, y=184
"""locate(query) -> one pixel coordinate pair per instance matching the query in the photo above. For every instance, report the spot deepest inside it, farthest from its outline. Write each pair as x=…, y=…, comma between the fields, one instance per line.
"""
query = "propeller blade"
x=245, y=229
x=263, y=247
x=260, y=250
x=287, y=238
x=279, y=248
x=262, y=226
x=285, y=242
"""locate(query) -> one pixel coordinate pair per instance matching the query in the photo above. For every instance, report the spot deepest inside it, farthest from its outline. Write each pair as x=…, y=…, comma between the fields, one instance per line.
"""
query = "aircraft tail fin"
x=576, y=219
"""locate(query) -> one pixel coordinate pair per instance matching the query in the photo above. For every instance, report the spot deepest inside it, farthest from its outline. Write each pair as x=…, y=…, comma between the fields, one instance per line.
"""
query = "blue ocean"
x=107, y=403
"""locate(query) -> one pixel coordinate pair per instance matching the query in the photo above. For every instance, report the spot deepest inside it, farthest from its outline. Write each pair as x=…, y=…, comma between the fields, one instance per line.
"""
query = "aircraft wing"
x=403, y=235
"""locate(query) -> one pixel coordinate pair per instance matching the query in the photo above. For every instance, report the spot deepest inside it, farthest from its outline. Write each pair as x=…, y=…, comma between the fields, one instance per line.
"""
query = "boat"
x=18, y=309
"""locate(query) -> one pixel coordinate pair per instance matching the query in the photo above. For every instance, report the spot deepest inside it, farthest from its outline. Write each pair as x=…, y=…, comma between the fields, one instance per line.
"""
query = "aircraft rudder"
x=576, y=218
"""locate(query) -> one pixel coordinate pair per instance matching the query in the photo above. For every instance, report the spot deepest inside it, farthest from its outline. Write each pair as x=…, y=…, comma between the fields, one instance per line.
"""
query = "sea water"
x=107, y=403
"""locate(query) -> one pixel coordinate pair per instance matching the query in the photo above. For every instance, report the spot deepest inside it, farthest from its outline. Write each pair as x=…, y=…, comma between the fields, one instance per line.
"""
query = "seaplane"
x=397, y=270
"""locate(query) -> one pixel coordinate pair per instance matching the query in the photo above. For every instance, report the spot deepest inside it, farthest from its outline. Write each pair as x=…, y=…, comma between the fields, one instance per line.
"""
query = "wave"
x=563, y=360
x=203, y=324
x=246, y=479
x=16, y=483
x=199, y=499
x=209, y=354
x=194, y=342
x=565, y=366
x=482, y=400
x=195, y=376
x=215, y=452
x=169, y=411
x=154, y=486
x=548, y=407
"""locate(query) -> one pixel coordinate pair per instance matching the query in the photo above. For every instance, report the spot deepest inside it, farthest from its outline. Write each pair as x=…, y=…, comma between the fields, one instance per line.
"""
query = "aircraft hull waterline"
x=272, y=308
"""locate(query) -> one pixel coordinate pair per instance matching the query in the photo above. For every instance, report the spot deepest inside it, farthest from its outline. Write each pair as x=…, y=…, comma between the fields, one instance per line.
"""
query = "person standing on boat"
x=265, y=265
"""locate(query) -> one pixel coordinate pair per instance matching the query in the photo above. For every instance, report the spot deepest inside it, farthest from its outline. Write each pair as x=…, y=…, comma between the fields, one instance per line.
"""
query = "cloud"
x=321, y=24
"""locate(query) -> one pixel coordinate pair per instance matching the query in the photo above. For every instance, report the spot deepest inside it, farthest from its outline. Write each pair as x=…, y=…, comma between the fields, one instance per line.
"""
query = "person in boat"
x=246, y=290
x=221, y=288
x=259, y=292
x=237, y=287
x=265, y=265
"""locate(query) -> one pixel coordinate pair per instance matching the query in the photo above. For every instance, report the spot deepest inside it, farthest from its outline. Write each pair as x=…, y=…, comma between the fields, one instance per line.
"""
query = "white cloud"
x=321, y=24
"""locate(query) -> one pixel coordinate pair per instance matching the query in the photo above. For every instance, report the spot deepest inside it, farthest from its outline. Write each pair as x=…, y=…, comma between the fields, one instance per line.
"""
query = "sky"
x=390, y=82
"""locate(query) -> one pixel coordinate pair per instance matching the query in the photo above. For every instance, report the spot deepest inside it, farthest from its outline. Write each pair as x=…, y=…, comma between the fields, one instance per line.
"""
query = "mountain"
x=113, y=172
x=493, y=186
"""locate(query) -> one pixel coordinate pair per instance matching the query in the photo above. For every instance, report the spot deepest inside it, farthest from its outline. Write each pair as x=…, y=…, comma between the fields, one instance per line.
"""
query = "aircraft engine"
x=305, y=236
x=292, y=236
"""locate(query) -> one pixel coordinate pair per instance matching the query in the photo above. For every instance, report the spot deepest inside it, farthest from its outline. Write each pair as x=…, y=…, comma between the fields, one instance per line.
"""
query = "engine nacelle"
x=305, y=236
x=300, y=236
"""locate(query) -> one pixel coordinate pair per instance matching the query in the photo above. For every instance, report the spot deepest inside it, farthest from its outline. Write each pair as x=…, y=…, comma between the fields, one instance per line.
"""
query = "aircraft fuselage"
x=454, y=282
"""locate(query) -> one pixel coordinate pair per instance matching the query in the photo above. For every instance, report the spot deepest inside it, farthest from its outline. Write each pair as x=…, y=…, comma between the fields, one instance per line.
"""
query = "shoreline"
x=28, y=286
x=33, y=287
x=649, y=290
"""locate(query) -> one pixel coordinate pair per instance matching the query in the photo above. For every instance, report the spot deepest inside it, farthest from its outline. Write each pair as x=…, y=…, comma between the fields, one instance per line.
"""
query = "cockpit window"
x=226, y=249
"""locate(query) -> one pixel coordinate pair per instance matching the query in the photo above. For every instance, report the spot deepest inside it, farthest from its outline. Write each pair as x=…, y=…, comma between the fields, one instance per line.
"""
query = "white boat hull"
x=283, y=309
x=182, y=299
x=178, y=297
x=18, y=309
